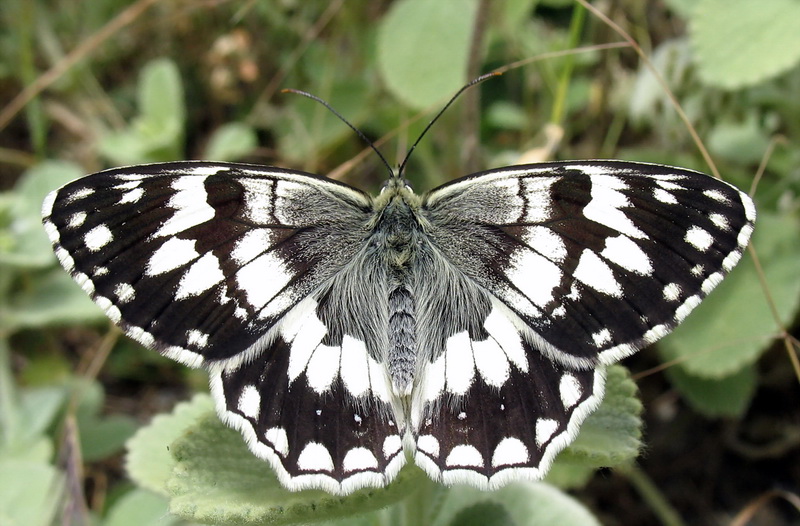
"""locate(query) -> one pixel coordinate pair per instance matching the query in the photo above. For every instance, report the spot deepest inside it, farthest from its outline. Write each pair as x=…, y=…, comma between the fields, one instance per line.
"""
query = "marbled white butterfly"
x=468, y=327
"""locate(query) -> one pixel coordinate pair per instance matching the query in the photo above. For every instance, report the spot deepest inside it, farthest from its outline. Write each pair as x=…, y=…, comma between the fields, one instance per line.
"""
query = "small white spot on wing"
x=672, y=292
x=595, y=273
x=173, y=253
x=201, y=276
x=277, y=437
x=545, y=428
x=720, y=221
x=315, y=457
x=132, y=196
x=569, y=390
x=459, y=363
x=250, y=401
x=124, y=292
x=76, y=219
x=464, y=455
x=602, y=337
x=716, y=195
x=623, y=251
x=491, y=362
x=429, y=445
x=197, y=338
x=78, y=194
x=323, y=367
x=664, y=197
x=510, y=451
x=358, y=459
x=699, y=238
x=97, y=238
x=536, y=276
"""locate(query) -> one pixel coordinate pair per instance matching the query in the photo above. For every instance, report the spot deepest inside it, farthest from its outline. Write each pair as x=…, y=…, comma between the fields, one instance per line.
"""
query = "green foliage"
x=740, y=44
x=231, y=142
x=140, y=508
x=728, y=396
x=157, y=133
x=149, y=94
x=23, y=243
x=423, y=79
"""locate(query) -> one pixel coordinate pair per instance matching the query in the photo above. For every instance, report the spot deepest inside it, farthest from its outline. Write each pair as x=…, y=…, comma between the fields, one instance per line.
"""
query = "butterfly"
x=467, y=328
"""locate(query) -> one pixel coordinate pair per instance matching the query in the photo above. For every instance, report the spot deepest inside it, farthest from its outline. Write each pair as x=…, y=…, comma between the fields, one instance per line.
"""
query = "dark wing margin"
x=198, y=260
x=597, y=258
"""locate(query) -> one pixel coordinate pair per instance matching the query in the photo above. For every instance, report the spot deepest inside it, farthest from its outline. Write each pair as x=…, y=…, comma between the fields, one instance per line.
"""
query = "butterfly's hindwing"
x=513, y=418
x=317, y=408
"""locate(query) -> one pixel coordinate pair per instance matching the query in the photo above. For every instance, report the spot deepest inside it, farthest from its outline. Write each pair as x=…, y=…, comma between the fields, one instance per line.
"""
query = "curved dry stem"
x=663, y=83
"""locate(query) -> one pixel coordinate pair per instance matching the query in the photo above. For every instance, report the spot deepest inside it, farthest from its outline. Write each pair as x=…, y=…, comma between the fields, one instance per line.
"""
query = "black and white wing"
x=576, y=265
x=214, y=264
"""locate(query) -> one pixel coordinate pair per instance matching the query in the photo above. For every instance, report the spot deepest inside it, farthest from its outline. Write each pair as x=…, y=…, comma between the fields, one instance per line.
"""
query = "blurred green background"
x=91, y=85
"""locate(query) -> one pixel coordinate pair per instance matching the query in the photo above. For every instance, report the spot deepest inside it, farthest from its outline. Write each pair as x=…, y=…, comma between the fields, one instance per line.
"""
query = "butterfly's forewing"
x=209, y=263
x=585, y=263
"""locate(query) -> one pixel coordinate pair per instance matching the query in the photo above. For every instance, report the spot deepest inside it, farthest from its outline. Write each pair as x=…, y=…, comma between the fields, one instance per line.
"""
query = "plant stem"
x=575, y=28
x=656, y=500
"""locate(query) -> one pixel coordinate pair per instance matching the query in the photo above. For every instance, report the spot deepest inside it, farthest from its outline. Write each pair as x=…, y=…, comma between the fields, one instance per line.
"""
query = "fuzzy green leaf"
x=725, y=397
x=423, y=49
x=149, y=462
x=231, y=142
x=734, y=324
x=23, y=241
x=34, y=496
x=52, y=299
x=521, y=503
x=140, y=508
x=157, y=133
x=216, y=480
x=740, y=44
x=612, y=434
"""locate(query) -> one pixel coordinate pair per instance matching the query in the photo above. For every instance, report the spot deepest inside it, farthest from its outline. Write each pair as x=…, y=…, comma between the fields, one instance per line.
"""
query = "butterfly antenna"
x=341, y=118
x=436, y=117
